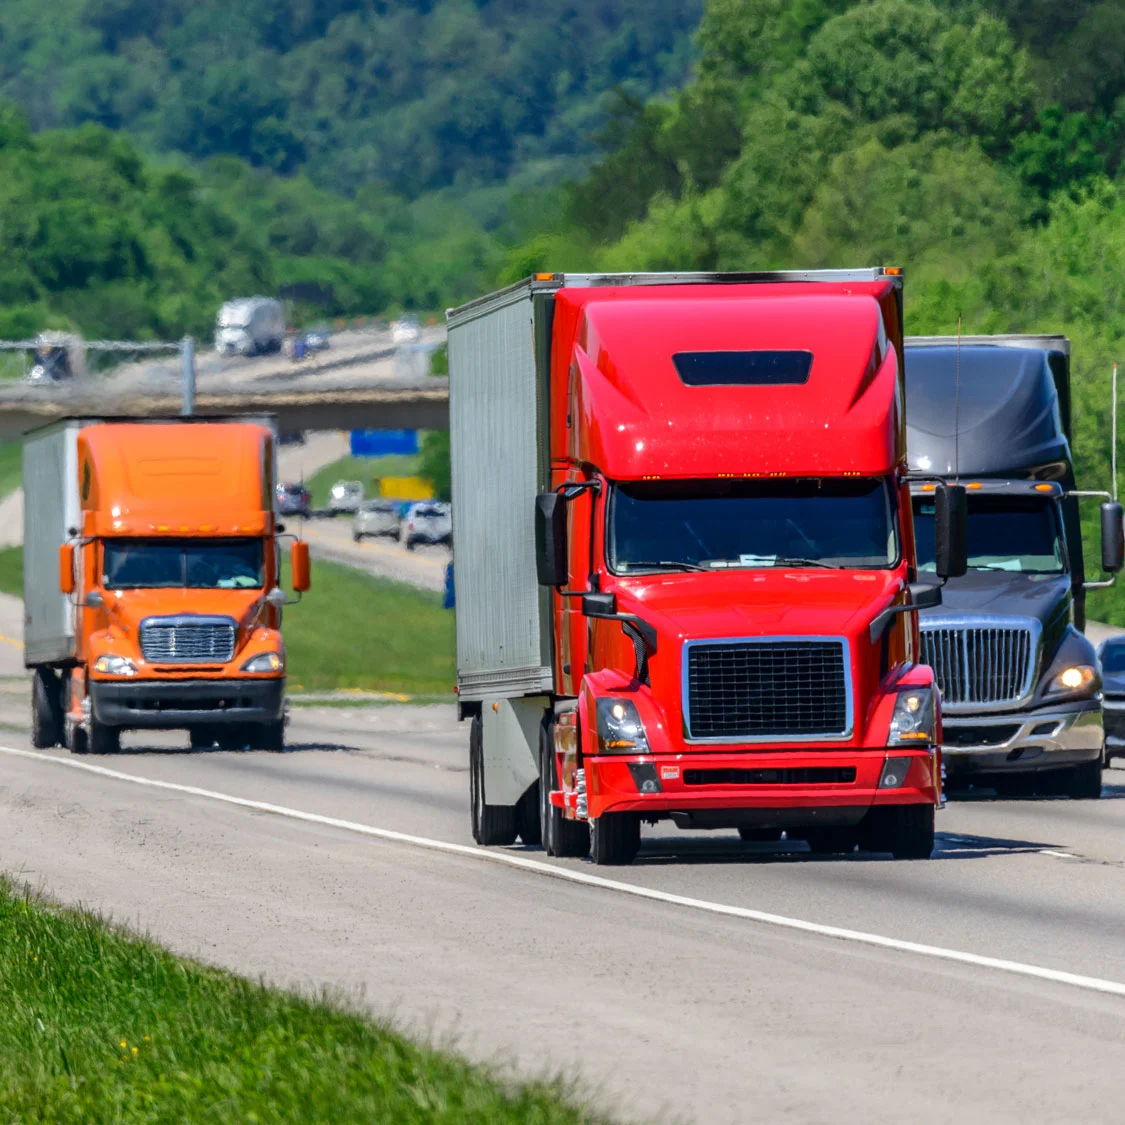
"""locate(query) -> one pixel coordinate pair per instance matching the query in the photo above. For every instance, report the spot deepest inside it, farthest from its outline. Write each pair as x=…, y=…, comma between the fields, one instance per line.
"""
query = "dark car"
x=293, y=500
x=1111, y=653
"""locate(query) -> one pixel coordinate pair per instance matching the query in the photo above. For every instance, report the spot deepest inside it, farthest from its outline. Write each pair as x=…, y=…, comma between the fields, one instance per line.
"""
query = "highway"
x=701, y=1010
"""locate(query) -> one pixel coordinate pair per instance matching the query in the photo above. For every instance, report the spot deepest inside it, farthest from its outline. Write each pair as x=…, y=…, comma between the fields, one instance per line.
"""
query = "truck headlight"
x=111, y=665
x=620, y=730
x=913, y=719
x=264, y=662
x=1073, y=680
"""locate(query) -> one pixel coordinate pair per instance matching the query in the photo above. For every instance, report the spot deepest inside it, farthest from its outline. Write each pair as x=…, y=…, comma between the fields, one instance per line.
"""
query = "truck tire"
x=46, y=710
x=906, y=831
x=103, y=739
x=615, y=839
x=269, y=736
x=77, y=742
x=201, y=738
x=560, y=837
x=832, y=841
x=493, y=825
x=528, y=823
x=1082, y=783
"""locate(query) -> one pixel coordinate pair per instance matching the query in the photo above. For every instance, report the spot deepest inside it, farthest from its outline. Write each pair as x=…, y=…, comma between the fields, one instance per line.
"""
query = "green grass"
x=99, y=1026
x=11, y=571
x=354, y=631
x=365, y=469
x=11, y=466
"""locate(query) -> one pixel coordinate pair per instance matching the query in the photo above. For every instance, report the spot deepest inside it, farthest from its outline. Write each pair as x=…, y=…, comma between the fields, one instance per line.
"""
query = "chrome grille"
x=980, y=662
x=187, y=640
x=751, y=689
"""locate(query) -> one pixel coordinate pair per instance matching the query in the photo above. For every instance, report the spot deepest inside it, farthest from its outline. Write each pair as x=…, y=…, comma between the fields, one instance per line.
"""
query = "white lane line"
x=507, y=859
x=1057, y=855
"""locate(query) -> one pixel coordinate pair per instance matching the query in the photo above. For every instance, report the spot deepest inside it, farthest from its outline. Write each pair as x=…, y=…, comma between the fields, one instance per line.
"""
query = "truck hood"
x=752, y=603
x=131, y=607
x=1044, y=597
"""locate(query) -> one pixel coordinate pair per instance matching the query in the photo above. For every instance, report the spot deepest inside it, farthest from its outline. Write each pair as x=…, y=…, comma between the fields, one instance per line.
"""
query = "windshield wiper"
x=665, y=566
x=767, y=562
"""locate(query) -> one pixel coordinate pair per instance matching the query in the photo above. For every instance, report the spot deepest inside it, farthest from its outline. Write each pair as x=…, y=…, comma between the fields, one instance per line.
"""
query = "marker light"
x=620, y=730
x=912, y=722
x=1077, y=678
x=1044, y=488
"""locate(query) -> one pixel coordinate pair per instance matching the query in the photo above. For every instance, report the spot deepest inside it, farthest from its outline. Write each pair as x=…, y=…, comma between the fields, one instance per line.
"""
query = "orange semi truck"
x=151, y=583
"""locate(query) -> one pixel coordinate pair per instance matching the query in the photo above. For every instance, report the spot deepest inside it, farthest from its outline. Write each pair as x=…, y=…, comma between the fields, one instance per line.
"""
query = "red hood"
x=752, y=603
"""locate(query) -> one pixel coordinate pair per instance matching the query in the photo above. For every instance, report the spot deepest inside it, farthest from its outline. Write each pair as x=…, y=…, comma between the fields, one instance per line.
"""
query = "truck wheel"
x=77, y=742
x=561, y=837
x=832, y=841
x=410, y=544
x=103, y=739
x=1084, y=782
x=906, y=831
x=615, y=839
x=269, y=736
x=46, y=710
x=527, y=818
x=492, y=824
x=201, y=738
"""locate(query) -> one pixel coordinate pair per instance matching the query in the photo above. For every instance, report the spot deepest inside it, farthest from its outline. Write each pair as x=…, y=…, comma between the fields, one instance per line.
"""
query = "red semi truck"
x=686, y=565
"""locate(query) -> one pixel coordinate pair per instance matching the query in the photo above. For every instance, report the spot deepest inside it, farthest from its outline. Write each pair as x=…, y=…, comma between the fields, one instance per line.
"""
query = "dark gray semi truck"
x=1020, y=685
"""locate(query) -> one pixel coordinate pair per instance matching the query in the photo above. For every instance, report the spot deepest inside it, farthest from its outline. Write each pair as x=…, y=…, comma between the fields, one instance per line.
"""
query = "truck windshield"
x=198, y=564
x=1020, y=534
x=720, y=524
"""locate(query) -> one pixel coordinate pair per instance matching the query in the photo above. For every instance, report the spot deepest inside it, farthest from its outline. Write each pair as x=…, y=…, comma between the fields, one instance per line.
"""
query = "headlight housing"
x=112, y=665
x=1075, y=680
x=912, y=723
x=620, y=730
x=264, y=662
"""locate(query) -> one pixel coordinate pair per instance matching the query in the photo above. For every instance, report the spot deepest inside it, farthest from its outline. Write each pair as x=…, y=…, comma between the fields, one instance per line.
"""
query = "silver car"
x=427, y=522
x=376, y=517
x=345, y=496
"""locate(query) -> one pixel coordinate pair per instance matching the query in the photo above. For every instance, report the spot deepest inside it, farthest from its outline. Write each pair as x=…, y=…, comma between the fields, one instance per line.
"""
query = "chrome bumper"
x=1025, y=741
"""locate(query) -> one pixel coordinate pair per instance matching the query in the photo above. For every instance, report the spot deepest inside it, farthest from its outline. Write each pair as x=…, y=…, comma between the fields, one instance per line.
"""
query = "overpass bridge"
x=362, y=382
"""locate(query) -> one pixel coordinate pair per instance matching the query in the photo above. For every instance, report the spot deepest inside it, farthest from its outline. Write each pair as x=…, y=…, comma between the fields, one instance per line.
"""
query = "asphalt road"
x=660, y=1008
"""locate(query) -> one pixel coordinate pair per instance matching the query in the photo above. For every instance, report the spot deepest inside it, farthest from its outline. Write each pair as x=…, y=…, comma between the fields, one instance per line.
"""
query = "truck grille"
x=751, y=689
x=187, y=640
x=980, y=663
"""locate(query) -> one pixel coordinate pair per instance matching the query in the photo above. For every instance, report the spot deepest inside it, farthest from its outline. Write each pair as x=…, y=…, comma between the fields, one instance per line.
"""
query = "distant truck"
x=1020, y=685
x=685, y=569
x=250, y=326
x=151, y=584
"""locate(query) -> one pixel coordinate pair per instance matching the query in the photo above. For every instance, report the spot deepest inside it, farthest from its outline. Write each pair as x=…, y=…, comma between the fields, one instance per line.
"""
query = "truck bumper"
x=759, y=789
x=179, y=704
x=1048, y=738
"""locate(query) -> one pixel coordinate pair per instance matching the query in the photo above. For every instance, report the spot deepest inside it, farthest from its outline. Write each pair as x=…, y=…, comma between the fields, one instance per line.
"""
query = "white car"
x=405, y=330
x=427, y=522
x=345, y=496
x=376, y=517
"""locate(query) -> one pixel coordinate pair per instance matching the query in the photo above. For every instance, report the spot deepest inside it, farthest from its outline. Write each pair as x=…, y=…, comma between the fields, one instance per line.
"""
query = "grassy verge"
x=97, y=1026
x=365, y=469
x=11, y=466
x=354, y=631
x=11, y=571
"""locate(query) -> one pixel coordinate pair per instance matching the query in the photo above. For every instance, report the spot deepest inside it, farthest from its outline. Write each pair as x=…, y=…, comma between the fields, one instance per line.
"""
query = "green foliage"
x=434, y=462
x=99, y=1026
x=398, y=639
x=11, y=571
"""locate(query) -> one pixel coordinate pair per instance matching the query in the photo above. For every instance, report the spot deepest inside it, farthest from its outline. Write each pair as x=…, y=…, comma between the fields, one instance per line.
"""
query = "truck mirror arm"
x=923, y=595
x=638, y=630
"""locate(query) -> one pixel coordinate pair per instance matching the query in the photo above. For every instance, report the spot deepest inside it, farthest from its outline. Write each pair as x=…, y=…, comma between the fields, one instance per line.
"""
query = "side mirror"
x=276, y=597
x=94, y=600
x=66, y=568
x=599, y=605
x=299, y=563
x=924, y=595
x=951, y=513
x=1113, y=537
x=550, y=539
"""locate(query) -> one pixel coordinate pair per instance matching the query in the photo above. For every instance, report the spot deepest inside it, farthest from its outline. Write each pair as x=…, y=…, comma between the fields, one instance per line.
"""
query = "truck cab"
x=724, y=636
x=1020, y=684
